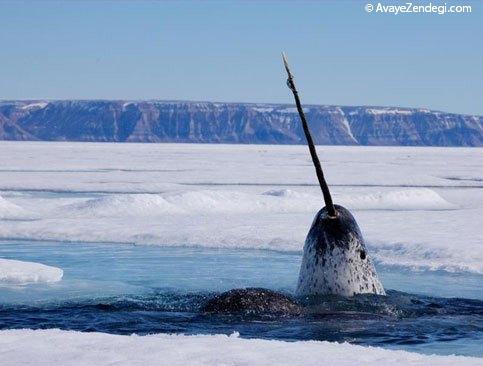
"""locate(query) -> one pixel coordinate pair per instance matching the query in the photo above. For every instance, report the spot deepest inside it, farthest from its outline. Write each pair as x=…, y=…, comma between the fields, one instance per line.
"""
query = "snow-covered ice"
x=13, y=272
x=417, y=207
x=52, y=347
x=9, y=210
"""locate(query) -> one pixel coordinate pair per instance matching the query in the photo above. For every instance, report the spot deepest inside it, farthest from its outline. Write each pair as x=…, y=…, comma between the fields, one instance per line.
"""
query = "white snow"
x=401, y=199
x=127, y=104
x=417, y=207
x=190, y=202
x=389, y=111
x=13, y=272
x=118, y=205
x=38, y=105
x=11, y=211
x=263, y=109
x=57, y=347
x=345, y=122
x=292, y=110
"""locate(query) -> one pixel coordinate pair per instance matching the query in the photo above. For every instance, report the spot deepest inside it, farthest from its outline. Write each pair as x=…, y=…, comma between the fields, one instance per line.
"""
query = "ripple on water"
x=116, y=289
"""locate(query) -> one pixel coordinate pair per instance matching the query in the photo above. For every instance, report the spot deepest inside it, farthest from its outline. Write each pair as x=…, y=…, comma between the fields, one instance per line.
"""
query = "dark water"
x=399, y=320
x=125, y=289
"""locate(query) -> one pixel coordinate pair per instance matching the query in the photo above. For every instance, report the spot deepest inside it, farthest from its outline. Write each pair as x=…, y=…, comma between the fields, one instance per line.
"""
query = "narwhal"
x=335, y=259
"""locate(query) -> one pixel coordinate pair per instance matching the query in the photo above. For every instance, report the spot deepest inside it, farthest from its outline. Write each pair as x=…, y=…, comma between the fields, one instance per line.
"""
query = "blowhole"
x=363, y=255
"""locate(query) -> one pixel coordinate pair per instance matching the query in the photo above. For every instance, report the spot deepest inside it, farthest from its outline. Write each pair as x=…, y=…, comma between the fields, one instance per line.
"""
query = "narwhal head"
x=335, y=259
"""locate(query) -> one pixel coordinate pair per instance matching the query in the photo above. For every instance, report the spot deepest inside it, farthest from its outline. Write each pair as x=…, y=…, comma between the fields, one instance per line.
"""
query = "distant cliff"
x=160, y=121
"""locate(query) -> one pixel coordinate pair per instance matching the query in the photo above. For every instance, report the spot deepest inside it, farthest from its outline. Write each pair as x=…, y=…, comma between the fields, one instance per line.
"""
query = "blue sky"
x=230, y=51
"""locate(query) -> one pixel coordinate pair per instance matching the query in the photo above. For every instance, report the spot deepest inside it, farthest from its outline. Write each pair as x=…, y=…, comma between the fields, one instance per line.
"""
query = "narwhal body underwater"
x=334, y=262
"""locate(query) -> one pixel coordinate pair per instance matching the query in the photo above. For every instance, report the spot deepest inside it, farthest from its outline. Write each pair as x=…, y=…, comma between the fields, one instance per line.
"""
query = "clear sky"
x=230, y=51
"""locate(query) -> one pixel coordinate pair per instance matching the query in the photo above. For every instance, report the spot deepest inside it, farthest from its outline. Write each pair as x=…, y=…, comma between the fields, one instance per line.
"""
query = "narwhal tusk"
x=315, y=159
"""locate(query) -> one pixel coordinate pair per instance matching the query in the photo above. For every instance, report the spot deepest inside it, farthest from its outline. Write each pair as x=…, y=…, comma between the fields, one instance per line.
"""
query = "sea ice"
x=13, y=272
x=417, y=207
x=10, y=211
x=54, y=346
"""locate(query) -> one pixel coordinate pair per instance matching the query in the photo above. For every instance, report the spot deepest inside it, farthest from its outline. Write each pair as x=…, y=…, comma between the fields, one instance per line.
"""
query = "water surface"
x=126, y=289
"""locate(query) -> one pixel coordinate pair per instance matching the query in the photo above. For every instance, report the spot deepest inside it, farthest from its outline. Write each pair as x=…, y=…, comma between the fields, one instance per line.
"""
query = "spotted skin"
x=335, y=260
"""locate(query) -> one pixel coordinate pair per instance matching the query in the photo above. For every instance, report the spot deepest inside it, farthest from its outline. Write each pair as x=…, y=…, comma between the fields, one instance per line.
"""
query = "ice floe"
x=54, y=346
x=13, y=272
